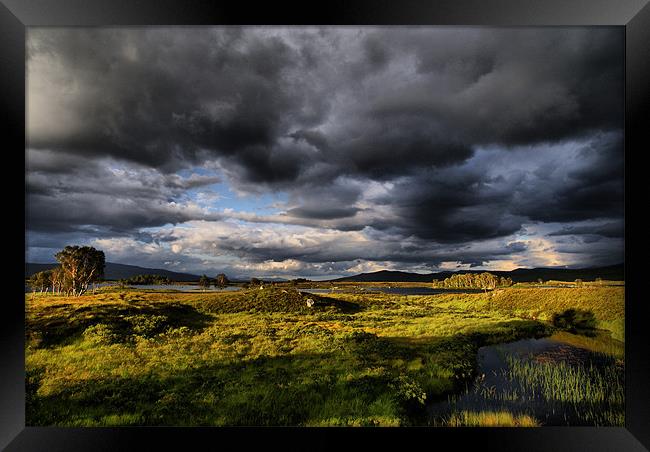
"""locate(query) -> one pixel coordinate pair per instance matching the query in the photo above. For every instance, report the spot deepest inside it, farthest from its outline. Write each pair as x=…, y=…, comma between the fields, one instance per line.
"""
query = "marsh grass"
x=593, y=393
x=561, y=385
x=567, y=383
x=489, y=419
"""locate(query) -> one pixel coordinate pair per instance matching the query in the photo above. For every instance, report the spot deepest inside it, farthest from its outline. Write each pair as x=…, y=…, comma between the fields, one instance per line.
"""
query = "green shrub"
x=574, y=320
x=176, y=333
x=100, y=334
x=146, y=325
x=409, y=391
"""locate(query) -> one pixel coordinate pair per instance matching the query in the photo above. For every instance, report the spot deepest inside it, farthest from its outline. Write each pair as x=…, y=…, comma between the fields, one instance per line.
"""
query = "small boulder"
x=310, y=302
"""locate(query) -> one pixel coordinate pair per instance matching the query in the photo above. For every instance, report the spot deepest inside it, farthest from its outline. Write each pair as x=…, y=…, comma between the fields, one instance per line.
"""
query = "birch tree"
x=81, y=265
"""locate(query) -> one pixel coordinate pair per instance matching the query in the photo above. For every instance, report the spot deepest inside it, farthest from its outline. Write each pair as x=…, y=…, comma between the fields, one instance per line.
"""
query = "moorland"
x=275, y=354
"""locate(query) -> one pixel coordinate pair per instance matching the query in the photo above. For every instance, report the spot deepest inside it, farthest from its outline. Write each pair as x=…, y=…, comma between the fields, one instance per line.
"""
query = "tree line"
x=139, y=280
x=79, y=266
x=483, y=281
x=221, y=280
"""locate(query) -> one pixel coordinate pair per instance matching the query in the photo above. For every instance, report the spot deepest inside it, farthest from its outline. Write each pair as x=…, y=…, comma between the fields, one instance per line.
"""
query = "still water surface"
x=541, y=390
x=184, y=287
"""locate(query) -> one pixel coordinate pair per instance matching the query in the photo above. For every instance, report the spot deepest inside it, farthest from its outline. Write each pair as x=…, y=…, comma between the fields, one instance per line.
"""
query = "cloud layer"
x=409, y=146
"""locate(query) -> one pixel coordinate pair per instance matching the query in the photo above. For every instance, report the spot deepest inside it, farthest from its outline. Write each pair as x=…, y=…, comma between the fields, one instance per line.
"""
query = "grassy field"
x=263, y=357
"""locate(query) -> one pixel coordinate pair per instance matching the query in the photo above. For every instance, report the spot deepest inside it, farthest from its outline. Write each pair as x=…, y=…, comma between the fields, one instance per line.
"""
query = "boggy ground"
x=263, y=357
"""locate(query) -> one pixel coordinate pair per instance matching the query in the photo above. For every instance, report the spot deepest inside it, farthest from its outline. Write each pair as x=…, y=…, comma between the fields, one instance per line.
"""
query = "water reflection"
x=560, y=380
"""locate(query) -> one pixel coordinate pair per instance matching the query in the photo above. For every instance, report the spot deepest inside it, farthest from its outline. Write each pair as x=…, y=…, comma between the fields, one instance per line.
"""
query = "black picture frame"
x=633, y=15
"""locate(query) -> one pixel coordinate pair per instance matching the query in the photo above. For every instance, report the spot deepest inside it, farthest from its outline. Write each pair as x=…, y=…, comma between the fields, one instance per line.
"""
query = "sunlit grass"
x=490, y=419
x=130, y=357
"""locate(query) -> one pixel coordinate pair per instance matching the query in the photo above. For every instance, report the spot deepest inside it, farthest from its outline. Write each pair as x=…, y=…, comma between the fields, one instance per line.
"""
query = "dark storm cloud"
x=579, y=181
x=600, y=252
x=103, y=177
x=321, y=114
x=522, y=86
x=588, y=186
x=334, y=203
x=611, y=230
x=102, y=198
x=455, y=205
x=110, y=214
x=157, y=97
x=517, y=247
x=376, y=53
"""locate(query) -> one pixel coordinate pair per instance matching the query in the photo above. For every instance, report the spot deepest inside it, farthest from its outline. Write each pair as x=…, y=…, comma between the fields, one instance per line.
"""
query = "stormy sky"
x=320, y=152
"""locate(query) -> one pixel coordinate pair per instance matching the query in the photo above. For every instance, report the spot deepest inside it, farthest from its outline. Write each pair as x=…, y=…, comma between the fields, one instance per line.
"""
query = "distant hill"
x=612, y=272
x=242, y=279
x=115, y=271
x=120, y=271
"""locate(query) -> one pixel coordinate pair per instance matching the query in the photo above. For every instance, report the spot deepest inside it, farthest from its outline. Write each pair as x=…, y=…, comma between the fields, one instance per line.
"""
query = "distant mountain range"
x=612, y=272
x=115, y=271
x=120, y=271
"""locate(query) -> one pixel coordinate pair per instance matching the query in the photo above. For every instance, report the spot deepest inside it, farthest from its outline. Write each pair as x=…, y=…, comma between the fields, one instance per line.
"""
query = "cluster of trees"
x=145, y=280
x=297, y=281
x=221, y=280
x=79, y=266
x=254, y=282
x=483, y=281
x=42, y=281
